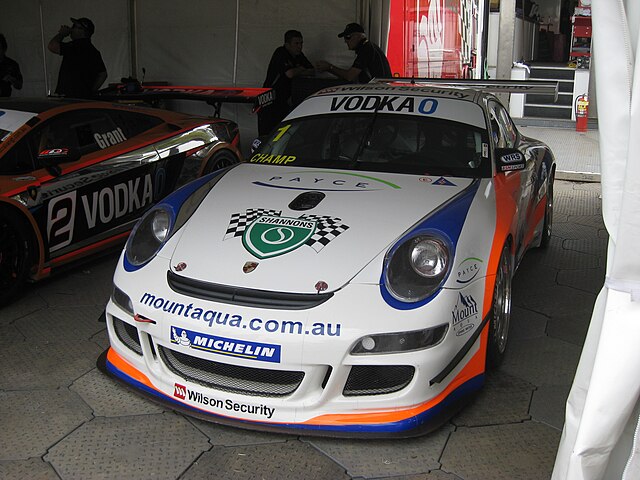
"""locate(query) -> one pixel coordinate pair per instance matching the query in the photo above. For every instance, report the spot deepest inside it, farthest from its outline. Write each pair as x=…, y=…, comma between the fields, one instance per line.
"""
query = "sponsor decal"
x=507, y=168
x=266, y=234
x=425, y=179
x=444, y=181
x=512, y=158
x=464, y=313
x=273, y=159
x=411, y=89
x=468, y=270
x=384, y=103
x=269, y=236
x=191, y=311
x=180, y=267
x=105, y=140
x=54, y=153
x=249, y=267
x=319, y=180
x=264, y=352
x=184, y=393
x=28, y=178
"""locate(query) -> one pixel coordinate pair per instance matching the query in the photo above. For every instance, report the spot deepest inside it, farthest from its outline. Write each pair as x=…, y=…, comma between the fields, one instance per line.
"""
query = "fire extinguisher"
x=582, y=112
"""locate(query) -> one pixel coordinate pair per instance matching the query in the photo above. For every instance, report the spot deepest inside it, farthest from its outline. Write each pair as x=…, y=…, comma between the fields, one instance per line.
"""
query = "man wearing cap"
x=82, y=71
x=370, y=62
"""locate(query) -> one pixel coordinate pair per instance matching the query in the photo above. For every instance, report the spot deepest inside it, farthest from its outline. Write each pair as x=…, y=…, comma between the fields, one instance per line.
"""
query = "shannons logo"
x=179, y=391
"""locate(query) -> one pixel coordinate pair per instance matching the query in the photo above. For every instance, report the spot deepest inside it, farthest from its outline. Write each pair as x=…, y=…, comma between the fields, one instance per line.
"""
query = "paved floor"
x=61, y=418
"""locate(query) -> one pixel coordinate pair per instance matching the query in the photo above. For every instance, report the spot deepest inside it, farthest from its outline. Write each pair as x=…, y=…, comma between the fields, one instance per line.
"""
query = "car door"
x=100, y=189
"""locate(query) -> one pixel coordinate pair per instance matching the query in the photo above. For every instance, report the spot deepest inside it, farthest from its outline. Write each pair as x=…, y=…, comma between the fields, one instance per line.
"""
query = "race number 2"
x=60, y=221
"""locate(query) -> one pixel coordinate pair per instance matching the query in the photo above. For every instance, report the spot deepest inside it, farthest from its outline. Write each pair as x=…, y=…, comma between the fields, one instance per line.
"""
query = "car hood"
x=261, y=228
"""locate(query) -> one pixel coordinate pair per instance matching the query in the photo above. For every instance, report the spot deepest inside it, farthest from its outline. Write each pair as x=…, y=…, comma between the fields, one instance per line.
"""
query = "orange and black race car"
x=76, y=175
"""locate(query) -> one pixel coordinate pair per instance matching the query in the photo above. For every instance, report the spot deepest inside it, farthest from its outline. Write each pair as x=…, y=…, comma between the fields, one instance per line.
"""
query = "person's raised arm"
x=56, y=41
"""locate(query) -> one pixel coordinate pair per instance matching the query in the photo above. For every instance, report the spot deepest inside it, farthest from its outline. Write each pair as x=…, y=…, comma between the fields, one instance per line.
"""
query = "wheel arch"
x=37, y=244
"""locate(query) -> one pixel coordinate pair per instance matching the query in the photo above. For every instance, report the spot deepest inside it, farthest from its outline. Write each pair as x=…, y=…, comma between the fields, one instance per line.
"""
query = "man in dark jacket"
x=370, y=62
x=82, y=71
x=10, y=75
x=287, y=62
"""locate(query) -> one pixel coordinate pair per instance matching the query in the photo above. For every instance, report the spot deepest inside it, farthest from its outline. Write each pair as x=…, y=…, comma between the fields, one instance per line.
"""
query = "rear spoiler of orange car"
x=214, y=96
x=542, y=87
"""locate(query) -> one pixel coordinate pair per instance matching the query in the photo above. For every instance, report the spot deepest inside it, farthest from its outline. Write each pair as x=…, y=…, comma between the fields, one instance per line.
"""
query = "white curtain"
x=600, y=437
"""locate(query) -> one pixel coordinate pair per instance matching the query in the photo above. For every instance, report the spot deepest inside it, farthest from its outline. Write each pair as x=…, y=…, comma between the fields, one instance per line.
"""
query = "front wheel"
x=220, y=159
x=15, y=255
x=500, y=311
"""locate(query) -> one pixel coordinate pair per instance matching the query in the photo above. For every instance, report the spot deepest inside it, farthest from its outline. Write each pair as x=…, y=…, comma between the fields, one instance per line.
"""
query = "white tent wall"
x=600, y=439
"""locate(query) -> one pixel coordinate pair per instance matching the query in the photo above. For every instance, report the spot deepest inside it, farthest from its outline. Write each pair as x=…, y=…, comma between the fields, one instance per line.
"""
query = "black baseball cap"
x=86, y=24
x=351, y=28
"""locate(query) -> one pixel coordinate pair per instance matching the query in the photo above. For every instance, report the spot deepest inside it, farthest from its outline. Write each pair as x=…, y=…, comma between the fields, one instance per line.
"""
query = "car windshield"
x=393, y=143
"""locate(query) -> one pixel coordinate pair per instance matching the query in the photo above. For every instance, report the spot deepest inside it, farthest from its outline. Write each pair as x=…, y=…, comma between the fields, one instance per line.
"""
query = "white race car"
x=353, y=278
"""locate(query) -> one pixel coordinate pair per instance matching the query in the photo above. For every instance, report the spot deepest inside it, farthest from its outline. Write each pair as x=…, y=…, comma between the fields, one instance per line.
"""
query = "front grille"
x=127, y=334
x=377, y=380
x=245, y=296
x=231, y=378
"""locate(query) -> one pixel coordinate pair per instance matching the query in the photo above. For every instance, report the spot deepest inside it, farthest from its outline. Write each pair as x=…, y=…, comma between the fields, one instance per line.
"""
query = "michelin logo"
x=264, y=352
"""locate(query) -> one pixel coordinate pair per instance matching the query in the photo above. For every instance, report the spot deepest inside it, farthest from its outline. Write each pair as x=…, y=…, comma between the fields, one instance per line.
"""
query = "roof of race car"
x=35, y=105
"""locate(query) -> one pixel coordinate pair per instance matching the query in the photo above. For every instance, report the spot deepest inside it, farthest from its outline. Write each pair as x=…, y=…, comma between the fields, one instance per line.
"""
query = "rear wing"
x=542, y=87
x=214, y=96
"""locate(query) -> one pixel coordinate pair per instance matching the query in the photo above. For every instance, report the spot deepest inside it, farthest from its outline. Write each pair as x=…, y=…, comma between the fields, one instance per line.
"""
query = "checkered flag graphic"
x=327, y=229
x=239, y=221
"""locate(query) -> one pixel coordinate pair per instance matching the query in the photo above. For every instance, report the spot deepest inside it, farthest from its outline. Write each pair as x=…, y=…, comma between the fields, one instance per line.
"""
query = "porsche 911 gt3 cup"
x=352, y=278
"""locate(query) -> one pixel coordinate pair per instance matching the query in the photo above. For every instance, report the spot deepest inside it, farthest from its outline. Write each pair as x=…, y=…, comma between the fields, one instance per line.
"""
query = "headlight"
x=149, y=235
x=417, y=267
x=400, y=342
x=122, y=300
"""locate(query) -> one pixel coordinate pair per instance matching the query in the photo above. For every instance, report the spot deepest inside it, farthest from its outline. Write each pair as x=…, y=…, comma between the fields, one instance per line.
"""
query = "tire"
x=221, y=159
x=500, y=311
x=547, y=227
x=16, y=255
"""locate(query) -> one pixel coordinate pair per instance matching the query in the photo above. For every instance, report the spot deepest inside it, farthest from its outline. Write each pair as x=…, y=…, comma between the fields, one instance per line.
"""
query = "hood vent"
x=306, y=201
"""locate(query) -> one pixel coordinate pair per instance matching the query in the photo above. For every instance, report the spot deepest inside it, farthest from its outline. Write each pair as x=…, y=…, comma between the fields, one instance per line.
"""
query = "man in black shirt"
x=9, y=71
x=82, y=71
x=287, y=62
x=370, y=62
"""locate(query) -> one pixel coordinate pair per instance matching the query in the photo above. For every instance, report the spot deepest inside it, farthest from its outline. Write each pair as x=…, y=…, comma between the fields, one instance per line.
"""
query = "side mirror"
x=510, y=159
x=53, y=157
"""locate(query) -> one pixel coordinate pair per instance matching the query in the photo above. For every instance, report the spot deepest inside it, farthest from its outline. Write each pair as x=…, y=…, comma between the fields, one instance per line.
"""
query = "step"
x=552, y=73
x=563, y=99
x=547, y=111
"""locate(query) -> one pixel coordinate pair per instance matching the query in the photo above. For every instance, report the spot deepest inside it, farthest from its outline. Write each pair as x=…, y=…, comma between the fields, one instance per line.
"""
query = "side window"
x=85, y=130
x=503, y=131
x=18, y=160
x=134, y=123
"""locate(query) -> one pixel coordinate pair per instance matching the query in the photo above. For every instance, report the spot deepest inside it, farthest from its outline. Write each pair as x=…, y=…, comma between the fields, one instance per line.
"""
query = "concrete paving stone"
x=32, y=469
x=595, y=245
x=222, y=435
x=523, y=451
x=292, y=460
x=10, y=334
x=375, y=458
x=577, y=202
x=24, y=305
x=101, y=338
x=65, y=289
x=603, y=234
x=433, y=475
x=33, y=421
x=31, y=365
x=108, y=398
x=571, y=230
x=144, y=446
x=595, y=221
x=570, y=328
x=504, y=399
x=556, y=300
x=526, y=323
x=61, y=324
x=560, y=217
x=565, y=259
x=589, y=280
x=548, y=405
x=542, y=361
x=531, y=274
